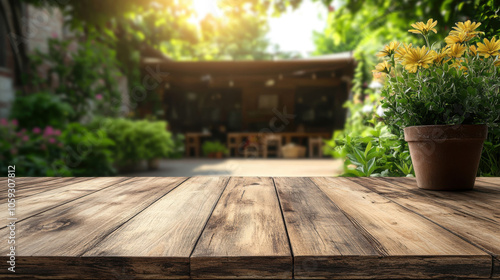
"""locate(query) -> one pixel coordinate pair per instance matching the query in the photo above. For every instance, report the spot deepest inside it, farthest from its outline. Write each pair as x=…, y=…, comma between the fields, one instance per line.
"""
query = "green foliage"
x=444, y=95
x=179, y=146
x=84, y=78
x=87, y=152
x=34, y=153
x=364, y=26
x=211, y=147
x=489, y=166
x=137, y=140
x=40, y=109
x=366, y=145
x=442, y=86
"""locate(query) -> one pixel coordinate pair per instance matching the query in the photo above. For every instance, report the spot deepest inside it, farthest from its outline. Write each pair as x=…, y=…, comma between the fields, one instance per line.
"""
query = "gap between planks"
x=44, y=209
x=364, y=182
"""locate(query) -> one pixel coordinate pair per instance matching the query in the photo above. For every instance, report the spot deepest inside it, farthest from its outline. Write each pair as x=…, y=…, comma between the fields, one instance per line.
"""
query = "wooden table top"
x=251, y=227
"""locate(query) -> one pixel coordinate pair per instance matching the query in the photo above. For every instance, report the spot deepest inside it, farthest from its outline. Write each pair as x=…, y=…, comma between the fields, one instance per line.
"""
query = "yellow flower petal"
x=489, y=48
x=424, y=28
x=416, y=58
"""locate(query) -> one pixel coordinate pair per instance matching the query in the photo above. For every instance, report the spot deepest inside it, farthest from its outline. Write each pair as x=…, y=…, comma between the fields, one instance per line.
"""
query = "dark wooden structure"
x=251, y=96
x=251, y=228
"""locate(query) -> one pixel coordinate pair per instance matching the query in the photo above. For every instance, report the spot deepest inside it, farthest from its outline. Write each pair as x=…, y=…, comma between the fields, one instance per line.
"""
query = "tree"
x=364, y=26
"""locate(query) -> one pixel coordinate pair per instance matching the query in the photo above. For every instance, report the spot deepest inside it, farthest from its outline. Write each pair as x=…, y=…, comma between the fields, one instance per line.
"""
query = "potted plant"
x=214, y=149
x=444, y=97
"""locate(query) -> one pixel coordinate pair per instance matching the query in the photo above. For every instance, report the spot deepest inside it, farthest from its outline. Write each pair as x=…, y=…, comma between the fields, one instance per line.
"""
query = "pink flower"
x=3, y=122
x=26, y=138
x=48, y=131
x=57, y=132
x=13, y=151
x=14, y=122
x=98, y=96
x=52, y=140
x=54, y=35
x=37, y=130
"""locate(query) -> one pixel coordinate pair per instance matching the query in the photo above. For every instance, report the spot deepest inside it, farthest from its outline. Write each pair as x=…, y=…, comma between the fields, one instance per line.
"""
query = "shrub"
x=137, y=140
x=87, y=152
x=40, y=110
x=35, y=152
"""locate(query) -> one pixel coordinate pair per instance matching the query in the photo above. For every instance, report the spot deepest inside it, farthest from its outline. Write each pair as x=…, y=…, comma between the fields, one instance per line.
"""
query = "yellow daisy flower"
x=416, y=58
x=489, y=48
x=456, y=38
x=457, y=50
x=423, y=28
x=401, y=51
x=466, y=29
x=440, y=55
x=383, y=67
x=473, y=50
x=388, y=49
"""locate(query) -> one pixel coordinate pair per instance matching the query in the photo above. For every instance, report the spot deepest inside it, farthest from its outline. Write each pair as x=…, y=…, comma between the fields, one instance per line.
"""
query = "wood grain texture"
x=395, y=231
x=473, y=215
x=35, y=204
x=245, y=237
x=26, y=189
x=319, y=232
x=488, y=182
x=75, y=227
x=125, y=268
x=211, y=227
x=19, y=181
x=169, y=228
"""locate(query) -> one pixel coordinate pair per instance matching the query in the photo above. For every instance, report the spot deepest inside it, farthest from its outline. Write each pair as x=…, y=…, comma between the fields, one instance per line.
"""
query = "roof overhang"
x=260, y=67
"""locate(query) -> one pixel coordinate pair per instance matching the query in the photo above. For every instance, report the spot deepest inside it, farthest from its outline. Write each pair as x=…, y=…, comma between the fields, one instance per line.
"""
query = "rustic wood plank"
x=395, y=231
x=245, y=237
x=474, y=209
x=20, y=181
x=459, y=212
x=167, y=231
x=489, y=182
x=73, y=228
x=320, y=234
x=134, y=267
x=35, y=204
x=27, y=189
x=25, y=180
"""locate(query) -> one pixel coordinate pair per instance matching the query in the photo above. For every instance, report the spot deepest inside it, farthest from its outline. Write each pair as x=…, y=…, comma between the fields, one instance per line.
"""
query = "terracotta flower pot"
x=446, y=157
x=217, y=155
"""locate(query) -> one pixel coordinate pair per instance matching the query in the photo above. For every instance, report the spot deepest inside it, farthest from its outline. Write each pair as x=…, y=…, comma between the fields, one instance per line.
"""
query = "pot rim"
x=474, y=132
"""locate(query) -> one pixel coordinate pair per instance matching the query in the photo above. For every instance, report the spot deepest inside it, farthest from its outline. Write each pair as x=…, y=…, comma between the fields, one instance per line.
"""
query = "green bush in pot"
x=214, y=149
x=443, y=98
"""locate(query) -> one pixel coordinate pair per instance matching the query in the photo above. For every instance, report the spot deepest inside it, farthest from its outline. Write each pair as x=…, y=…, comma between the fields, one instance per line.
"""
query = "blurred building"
x=236, y=96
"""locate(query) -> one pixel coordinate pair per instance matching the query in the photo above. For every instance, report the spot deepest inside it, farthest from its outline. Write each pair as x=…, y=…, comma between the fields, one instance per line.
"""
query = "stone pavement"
x=244, y=167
